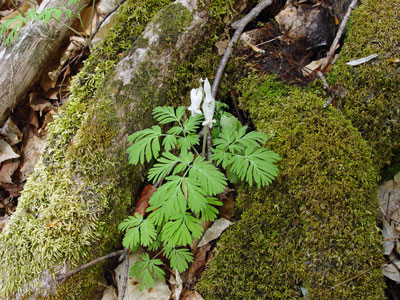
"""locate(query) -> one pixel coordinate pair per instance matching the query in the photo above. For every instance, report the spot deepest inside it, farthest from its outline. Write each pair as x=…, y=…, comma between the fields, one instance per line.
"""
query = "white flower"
x=208, y=105
x=196, y=96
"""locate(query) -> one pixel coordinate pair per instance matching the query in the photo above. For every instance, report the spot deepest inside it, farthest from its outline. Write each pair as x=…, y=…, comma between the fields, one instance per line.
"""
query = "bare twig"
x=326, y=86
x=125, y=279
x=354, y=277
x=91, y=263
x=339, y=33
x=104, y=19
x=239, y=25
x=17, y=8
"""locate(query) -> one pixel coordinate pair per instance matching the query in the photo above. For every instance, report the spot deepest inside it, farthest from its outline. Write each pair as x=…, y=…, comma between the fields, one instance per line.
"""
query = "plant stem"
x=203, y=152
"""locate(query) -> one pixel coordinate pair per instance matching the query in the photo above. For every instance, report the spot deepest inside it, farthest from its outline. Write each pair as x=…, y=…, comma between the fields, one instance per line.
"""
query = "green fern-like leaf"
x=168, y=200
x=145, y=270
x=186, y=143
x=179, y=258
x=137, y=232
x=181, y=230
x=256, y=165
x=167, y=114
x=146, y=145
x=164, y=167
x=208, y=176
x=192, y=124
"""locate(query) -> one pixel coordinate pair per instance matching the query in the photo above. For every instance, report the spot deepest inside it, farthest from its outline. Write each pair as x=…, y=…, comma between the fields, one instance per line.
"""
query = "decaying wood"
x=22, y=62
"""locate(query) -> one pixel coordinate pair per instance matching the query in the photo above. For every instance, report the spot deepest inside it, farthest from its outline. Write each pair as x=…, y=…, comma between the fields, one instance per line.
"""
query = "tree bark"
x=22, y=62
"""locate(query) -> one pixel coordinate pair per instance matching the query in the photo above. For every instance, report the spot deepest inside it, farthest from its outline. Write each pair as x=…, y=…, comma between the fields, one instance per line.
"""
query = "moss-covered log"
x=315, y=227
x=82, y=186
x=313, y=233
x=373, y=100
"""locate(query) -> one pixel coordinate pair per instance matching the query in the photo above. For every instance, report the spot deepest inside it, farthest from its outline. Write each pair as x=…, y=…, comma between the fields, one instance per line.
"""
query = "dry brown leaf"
x=12, y=189
x=6, y=152
x=31, y=152
x=198, y=264
x=33, y=119
x=221, y=46
x=391, y=271
x=3, y=222
x=226, y=210
x=39, y=104
x=143, y=203
x=110, y=293
x=7, y=170
x=214, y=231
x=12, y=132
x=191, y=295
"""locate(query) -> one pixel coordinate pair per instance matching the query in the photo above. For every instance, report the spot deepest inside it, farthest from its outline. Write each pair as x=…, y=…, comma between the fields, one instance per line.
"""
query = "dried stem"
x=239, y=25
x=339, y=33
x=91, y=263
x=125, y=280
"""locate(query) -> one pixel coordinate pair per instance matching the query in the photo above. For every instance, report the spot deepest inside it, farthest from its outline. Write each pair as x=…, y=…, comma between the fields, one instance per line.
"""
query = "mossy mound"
x=315, y=227
x=373, y=99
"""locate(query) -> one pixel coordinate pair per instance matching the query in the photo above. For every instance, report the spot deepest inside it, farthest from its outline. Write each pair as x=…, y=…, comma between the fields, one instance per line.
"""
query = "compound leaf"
x=145, y=270
x=146, y=145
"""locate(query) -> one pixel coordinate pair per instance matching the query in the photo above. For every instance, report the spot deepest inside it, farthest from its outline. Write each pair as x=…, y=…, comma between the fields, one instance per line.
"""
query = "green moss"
x=373, y=100
x=315, y=227
x=70, y=207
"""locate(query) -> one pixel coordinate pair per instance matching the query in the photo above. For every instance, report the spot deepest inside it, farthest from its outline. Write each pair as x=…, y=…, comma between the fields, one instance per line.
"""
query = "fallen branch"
x=326, y=87
x=339, y=34
x=91, y=263
x=125, y=279
x=104, y=19
x=239, y=25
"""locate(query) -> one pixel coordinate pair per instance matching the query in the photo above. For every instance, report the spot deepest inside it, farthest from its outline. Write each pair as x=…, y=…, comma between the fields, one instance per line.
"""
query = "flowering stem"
x=203, y=152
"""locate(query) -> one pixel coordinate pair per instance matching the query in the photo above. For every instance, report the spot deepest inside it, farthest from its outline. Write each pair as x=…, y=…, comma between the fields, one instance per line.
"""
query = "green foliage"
x=146, y=269
x=13, y=25
x=188, y=182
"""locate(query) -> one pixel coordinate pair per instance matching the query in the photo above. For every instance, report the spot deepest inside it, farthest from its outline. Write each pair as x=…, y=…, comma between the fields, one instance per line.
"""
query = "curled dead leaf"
x=143, y=203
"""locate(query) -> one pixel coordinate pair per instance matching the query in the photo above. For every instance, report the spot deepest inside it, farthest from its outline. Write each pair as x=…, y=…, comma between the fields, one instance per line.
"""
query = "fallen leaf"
x=12, y=132
x=6, y=152
x=226, y=210
x=33, y=119
x=110, y=293
x=394, y=60
x=363, y=60
x=221, y=46
x=214, y=231
x=31, y=152
x=159, y=291
x=3, y=222
x=143, y=203
x=39, y=104
x=7, y=170
x=191, y=295
x=12, y=189
x=198, y=265
x=391, y=271
x=313, y=66
x=390, y=235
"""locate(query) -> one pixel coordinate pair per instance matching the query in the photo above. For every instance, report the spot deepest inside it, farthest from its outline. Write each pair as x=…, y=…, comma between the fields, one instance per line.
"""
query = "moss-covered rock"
x=373, y=99
x=315, y=227
x=82, y=186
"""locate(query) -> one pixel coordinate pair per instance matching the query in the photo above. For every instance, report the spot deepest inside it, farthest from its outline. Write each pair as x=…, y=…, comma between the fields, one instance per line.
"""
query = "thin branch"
x=17, y=8
x=239, y=25
x=91, y=263
x=339, y=33
x=104, y=19
x=125, y=279
x=354, y=277
x=327, y=88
